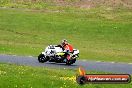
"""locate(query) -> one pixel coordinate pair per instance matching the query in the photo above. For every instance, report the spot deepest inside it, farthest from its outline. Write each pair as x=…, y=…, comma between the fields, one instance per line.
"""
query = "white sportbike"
x=55, y=53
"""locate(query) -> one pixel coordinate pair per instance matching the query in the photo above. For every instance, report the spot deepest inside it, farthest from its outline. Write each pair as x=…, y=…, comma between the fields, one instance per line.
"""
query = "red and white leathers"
x=69, y=49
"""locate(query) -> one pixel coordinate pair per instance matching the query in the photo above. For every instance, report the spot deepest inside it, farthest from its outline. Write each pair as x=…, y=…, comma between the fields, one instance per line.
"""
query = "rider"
x=68, y=48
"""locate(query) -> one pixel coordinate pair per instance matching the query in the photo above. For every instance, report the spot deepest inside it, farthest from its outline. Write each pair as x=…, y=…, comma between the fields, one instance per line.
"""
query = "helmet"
x=64, y=42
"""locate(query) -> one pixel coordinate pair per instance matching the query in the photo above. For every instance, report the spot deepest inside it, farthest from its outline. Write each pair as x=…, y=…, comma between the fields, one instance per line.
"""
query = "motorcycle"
x=55, y=53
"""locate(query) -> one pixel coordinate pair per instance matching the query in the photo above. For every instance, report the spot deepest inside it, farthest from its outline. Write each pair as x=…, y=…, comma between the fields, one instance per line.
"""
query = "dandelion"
x=64, y=85
x=115, y=27
x=16, y=86
x=54, y=76
x=2, y=72
x=32, y=74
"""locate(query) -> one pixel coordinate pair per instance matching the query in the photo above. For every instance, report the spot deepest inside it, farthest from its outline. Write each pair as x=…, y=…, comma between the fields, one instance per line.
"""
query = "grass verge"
x=15, y=76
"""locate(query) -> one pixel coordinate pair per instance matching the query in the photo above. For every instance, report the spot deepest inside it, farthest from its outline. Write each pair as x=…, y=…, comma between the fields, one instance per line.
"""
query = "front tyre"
x=41, y=58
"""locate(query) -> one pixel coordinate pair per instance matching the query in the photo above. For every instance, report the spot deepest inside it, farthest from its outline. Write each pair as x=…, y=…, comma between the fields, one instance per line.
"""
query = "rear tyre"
x=42, y=58
x=68, y=62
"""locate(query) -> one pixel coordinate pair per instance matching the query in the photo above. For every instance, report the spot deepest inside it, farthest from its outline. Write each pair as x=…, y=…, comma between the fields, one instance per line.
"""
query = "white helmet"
x=64, y=42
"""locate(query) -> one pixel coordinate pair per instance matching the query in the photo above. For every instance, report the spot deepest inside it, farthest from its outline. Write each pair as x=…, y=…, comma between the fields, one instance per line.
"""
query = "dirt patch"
x=80, y=3
x=110, y=3
x=95, y=3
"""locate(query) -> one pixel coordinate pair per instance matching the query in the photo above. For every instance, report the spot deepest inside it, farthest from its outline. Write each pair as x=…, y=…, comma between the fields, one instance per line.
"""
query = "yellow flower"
x=2, y=72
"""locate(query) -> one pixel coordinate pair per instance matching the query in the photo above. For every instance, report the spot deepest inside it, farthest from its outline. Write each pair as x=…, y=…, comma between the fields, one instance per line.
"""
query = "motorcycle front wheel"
x=42, y=58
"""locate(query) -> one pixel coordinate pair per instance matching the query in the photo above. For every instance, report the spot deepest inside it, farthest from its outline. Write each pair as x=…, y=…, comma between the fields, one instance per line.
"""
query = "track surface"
x=88, y=65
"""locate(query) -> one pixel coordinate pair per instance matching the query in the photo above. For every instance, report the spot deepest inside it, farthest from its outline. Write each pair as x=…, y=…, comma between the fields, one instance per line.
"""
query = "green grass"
x=102, y=34
x=99, y=33
x=15, y=76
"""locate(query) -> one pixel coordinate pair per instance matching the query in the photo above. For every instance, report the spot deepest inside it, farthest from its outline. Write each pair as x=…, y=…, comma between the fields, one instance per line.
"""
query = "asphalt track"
x=88, y=65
